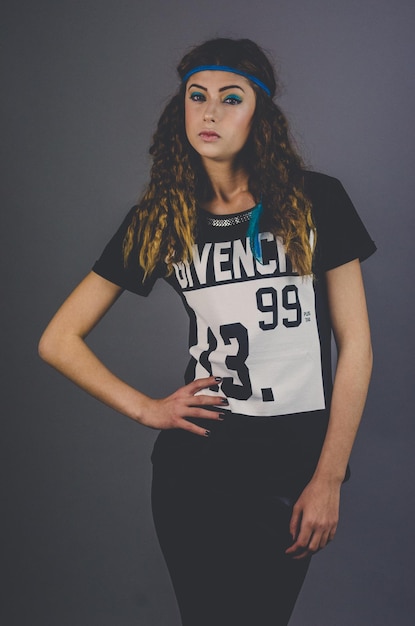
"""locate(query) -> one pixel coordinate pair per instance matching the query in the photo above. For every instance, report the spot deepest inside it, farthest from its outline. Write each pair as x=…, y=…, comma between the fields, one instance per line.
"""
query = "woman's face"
x=219, y=109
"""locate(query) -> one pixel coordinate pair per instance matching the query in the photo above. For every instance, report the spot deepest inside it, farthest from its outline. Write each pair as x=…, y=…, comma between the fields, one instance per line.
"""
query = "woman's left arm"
x=316, y=512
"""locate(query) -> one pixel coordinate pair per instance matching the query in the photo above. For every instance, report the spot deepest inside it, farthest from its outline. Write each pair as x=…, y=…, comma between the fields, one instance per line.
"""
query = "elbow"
x=365, y=352
x=49, y=347
x=45, y=348
x=357, y=351
x=366, y=349
x=370, y=353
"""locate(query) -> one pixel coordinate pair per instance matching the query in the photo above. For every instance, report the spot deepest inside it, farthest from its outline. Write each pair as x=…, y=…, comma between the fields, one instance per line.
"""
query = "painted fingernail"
x=221, y=417
x=218, y=379
x=224, y=401
x=207, y=433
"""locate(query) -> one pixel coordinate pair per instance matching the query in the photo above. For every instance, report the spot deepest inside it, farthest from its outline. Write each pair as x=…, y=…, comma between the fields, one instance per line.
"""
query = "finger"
x=203, y=383
x=298, y=550
x=208, y=401
x=332, y=533
x=193, y=428
x=302, y=555
x=295, y=523
x=301, y=544
x=324, y=540
x=317, y=542
x=193, y=412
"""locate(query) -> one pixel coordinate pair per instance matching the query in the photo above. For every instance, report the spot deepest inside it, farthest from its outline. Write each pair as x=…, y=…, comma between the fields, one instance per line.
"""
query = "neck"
x=229, y=189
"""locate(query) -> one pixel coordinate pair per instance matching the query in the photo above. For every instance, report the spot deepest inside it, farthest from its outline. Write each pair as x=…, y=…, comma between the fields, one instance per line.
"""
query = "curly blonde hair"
x=165, y=221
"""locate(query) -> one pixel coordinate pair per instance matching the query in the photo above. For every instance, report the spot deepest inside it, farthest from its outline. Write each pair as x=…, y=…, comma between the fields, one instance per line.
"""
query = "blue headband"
x=225, y=68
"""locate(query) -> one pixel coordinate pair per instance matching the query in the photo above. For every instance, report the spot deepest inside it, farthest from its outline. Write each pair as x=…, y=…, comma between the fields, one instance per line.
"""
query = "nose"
x=210, y=113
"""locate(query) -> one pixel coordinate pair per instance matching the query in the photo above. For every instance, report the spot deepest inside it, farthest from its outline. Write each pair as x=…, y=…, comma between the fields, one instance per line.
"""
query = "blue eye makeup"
x=233, y=98
x=197, y=96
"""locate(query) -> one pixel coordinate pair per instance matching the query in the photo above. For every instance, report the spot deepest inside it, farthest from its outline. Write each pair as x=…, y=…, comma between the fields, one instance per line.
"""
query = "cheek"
x=245, y=125
x=188, y=124
x=190, y=110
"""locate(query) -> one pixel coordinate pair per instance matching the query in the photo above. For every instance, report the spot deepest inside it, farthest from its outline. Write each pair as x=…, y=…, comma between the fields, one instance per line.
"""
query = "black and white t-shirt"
x=261, y=327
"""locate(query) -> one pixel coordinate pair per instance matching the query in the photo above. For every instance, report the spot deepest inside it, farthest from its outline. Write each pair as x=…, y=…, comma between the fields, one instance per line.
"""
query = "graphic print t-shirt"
x=262, y=328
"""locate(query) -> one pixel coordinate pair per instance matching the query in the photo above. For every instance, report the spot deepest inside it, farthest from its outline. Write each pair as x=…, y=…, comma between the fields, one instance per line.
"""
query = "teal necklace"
x=253, y=233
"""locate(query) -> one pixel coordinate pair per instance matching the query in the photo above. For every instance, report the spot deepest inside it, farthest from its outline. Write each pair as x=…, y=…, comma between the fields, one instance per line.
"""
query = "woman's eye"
x=233, y=99
x=197, y=96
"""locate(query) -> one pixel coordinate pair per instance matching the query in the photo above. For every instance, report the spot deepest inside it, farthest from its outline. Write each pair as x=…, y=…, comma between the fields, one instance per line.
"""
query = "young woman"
x=266, y=256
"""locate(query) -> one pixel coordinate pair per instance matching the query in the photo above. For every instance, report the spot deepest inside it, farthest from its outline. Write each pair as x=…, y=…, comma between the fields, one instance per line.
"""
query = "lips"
x=208, y=135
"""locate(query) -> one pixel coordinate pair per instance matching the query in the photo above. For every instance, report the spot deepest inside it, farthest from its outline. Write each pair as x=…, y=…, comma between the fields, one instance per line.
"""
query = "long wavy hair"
x=165, y=221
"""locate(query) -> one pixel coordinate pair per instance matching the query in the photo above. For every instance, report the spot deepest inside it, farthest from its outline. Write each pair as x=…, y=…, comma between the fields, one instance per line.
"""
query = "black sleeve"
x=110, y=264
x=341, y=234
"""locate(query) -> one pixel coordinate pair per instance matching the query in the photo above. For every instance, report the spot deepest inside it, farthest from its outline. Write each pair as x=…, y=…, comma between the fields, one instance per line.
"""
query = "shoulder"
x=328, y=197
x=110, y=265
x=319, y=186
x=341, y=235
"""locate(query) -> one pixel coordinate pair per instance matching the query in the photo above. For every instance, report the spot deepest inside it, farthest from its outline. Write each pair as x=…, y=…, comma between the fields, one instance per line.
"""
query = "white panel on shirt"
x=260, y=335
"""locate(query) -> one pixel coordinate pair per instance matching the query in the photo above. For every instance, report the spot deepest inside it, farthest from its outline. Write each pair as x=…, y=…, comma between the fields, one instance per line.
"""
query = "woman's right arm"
x=63, y=346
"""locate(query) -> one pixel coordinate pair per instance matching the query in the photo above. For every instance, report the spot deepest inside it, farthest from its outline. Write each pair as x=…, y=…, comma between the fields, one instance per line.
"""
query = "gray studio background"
x=82, y=87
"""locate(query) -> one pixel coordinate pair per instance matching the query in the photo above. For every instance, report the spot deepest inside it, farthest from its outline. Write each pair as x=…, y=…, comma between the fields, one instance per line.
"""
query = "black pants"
x=223, y=529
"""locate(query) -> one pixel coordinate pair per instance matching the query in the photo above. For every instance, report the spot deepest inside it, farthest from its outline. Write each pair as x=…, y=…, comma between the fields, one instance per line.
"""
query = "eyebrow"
x=220, y=90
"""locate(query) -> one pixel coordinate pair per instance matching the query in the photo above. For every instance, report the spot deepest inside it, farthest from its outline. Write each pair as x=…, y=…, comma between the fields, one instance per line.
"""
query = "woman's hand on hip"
x=171, y=412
